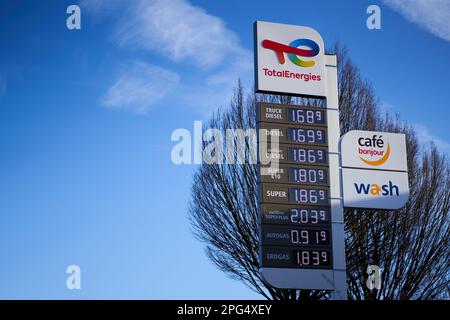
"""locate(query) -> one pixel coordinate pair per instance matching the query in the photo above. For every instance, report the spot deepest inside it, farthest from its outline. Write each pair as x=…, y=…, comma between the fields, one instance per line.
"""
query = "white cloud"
x=187, y=35
x=425, y=137
x=139, y=86
x=180, y=31
x=102, y=8
x=433, y=15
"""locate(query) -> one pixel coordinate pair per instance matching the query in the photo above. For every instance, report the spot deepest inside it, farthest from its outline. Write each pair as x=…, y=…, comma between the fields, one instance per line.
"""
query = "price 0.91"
x=309, y=237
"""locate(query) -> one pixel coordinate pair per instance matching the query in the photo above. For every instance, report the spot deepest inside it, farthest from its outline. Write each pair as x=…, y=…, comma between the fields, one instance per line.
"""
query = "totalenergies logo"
x=293, y=51
x=371, y=150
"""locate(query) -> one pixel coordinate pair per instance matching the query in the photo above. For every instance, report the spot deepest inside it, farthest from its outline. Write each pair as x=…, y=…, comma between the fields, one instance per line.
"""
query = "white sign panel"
x=289, y=59
x=374, y=189
x=374, y=150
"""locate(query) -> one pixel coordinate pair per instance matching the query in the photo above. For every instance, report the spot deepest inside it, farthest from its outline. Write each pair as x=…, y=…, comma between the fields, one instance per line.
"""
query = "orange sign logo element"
x=373, y=147
x=381, y=160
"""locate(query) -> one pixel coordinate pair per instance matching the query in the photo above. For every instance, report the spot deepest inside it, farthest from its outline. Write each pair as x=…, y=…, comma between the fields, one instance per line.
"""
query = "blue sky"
x=86, y=118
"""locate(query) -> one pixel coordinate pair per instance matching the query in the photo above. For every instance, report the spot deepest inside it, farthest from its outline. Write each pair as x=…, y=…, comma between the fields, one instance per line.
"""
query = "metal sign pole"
x=336, y=199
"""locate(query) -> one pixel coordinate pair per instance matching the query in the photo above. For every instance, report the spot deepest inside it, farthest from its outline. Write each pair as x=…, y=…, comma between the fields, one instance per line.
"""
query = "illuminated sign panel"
x=294, y=201
x=289, y=59
x=374, y=150
x=300, y=197
x=294, y=174
x=295, y=215
x=295, y=134
x=295, y=236
x=375, y=170
x=292, y=114
x=297, y=155
x=375, y=189
x=285, y=257
x=285, y=194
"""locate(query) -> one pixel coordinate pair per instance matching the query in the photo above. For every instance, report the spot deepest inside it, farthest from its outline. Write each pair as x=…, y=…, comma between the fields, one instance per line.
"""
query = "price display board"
x=294, y=200
x=295, y=134
x=288, y=257
x=294, y=174
x=295, y=215
x=296, y=155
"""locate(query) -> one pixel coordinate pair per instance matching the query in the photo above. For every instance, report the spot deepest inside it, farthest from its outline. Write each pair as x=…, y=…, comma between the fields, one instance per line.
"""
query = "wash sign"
x=374, y=170
x=375, y=189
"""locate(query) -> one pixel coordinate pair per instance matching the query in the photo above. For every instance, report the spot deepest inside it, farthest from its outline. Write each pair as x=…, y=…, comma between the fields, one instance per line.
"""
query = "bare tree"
x=409, y=245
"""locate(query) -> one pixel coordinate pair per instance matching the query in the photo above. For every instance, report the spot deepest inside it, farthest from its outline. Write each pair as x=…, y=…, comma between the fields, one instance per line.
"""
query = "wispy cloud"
x=103, y=8
x=139, y=86
x=433, y=15
x=188, y=36
x=180, y=31
x=426, y=137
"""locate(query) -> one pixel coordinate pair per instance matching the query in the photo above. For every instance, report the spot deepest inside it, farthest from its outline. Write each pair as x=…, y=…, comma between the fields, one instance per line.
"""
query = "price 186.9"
x=308, y=196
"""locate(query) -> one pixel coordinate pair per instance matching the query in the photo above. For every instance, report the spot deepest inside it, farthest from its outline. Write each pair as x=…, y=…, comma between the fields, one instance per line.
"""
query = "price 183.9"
x=312, y=258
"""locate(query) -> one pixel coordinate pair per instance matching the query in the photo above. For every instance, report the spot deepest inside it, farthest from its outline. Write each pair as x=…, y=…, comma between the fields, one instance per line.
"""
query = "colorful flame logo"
x=294, y=51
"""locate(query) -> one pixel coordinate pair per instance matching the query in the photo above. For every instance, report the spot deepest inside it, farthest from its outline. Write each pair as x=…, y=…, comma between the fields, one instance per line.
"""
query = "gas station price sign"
x=295, y=236
x=305, y=116
x=273, y=113
x=286, y=194
x=294, y=204
x=295, y=174
x=295, y=215
x=288, y=257
x=297, y=155
x=295, y=134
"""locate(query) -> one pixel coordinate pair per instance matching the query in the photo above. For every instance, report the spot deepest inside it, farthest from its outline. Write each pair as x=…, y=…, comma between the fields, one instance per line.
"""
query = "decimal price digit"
x=304, y=155
x=301, y=175
x=306, y=116
x=313, y=136
x=308, y=196
x=309, y=237
x=312, y=258
x=308, y=216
